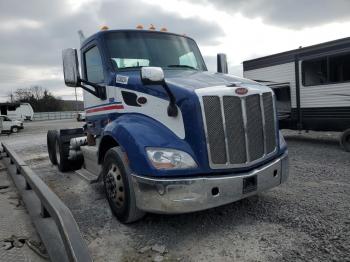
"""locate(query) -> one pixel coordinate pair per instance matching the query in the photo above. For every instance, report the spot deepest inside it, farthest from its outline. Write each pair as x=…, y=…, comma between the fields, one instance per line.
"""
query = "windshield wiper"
x=183, y=66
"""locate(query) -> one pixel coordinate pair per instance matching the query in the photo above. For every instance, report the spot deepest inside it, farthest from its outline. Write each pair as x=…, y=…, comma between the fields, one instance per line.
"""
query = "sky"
x=33, y=32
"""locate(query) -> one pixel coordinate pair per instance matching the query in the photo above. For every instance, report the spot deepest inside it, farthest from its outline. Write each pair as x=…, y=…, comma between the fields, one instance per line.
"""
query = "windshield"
x=136, y=49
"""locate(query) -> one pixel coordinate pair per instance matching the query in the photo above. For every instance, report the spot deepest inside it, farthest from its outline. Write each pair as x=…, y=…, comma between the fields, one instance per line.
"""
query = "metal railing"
x=53, y=220
x=40, y=116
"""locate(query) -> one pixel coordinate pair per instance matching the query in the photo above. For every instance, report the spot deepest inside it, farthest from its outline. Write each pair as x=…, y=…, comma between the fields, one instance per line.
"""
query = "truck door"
x=94, y=72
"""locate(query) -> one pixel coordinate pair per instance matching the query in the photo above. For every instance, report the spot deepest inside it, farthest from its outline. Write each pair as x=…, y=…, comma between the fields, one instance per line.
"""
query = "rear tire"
x=62, y=154
x=345, y=140
x=51, y=145
x=14, y=129
x=118, y=187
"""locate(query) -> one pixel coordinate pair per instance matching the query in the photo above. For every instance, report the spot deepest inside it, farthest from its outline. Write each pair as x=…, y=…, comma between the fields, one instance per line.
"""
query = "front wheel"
x=345, y=140
x=118, y=187
x=14, y=129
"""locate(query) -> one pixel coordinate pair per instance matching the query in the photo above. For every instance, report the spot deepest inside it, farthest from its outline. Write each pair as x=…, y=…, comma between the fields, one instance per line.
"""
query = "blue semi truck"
x=162, y=133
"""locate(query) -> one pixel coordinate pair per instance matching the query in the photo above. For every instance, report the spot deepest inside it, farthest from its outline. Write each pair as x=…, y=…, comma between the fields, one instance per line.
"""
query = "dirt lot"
x=306, y=219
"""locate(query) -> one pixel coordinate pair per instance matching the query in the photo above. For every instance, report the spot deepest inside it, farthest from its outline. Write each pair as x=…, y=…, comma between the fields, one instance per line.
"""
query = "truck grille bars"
x=239, y=130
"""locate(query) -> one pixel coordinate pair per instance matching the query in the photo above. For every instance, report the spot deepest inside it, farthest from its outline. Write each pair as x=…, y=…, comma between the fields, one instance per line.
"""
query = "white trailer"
x=312, y=86
x=17, y=111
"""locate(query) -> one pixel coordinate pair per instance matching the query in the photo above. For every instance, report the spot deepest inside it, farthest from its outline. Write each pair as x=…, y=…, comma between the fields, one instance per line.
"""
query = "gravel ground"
x=306, y=219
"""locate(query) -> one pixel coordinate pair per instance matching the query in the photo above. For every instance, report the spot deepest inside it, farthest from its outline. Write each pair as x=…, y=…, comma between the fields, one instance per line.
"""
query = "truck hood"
x=190, y=79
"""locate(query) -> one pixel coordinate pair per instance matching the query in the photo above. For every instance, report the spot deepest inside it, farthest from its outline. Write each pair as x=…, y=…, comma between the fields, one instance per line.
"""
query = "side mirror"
x=222, y=63
x=152, y=75
x=71, y=67
x=72, y=76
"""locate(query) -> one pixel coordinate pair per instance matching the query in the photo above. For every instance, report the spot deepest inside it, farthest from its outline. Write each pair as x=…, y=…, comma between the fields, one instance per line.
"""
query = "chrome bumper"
x=182, y=195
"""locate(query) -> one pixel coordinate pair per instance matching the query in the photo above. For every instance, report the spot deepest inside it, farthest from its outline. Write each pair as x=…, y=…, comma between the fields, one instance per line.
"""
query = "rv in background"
x=20, y=111
x=311, y=84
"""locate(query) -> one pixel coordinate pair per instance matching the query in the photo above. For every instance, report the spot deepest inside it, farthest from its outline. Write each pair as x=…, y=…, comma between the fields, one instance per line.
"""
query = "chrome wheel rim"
x=115, y=186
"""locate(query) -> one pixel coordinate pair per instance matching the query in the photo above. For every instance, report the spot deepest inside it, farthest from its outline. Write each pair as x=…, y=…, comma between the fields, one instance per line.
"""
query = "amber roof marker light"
x=152, y=27
x=139, y=27
x=104, y=28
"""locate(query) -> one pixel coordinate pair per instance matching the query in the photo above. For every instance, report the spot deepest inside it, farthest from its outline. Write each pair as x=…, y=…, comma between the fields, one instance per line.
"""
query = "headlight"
x=165, y=158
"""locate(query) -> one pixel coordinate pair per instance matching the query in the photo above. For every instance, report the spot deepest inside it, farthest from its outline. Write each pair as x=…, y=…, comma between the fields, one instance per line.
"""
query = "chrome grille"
x=270, y=128
x=216, y=136
x=239, y=130
x=255, y=131
x=235, y=129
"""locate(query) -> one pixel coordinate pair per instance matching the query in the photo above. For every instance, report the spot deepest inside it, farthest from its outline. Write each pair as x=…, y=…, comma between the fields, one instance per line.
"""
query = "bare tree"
x=11, y=97
x=22, y=94
x=37, y=92
x=39, y=98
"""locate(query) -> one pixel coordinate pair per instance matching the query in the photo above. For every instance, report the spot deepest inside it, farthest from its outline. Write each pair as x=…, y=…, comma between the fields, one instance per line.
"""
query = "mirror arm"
x=172, y=108
x=100, y=91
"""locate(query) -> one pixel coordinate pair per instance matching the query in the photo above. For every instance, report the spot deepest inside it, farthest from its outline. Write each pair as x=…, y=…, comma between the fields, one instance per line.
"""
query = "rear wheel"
x=345, y=140
x=51, y=145
x=62, y=154
x=118, y=187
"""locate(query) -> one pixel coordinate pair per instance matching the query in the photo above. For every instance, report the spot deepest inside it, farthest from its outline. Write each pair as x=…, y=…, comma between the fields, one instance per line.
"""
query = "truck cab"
x=162, y=133
x=9, y=125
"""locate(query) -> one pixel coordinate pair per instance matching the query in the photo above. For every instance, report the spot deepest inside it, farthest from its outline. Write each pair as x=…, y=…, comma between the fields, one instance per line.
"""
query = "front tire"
x=118, y=187
x=345, y=140
x=14, y=129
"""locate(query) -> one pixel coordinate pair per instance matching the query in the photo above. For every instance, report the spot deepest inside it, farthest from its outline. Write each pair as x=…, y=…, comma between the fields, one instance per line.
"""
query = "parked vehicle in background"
x=164, y=134
x=9, y=125
x=312, y=86
x=24, y=112
x=81, y=116
x=20, y=111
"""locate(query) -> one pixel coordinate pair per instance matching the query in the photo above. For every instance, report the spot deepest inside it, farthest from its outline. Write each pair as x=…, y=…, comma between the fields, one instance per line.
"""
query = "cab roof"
x=104, y=32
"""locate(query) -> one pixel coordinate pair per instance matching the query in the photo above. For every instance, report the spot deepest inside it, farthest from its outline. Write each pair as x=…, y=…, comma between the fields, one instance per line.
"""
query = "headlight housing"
x=167, y=158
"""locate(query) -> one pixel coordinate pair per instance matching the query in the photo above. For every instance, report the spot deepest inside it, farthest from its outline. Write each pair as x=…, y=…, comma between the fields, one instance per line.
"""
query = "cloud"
x=132, y=13
x=33, y=33
x=294, y=14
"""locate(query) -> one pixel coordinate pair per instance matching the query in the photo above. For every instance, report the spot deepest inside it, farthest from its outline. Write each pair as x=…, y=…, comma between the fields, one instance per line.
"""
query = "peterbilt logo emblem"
x=241, y=91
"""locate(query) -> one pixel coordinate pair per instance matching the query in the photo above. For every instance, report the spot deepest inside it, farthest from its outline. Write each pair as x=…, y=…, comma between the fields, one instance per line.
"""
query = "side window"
x=314, y=72
x=339, y=68
x=327, y=70
x=93, y=63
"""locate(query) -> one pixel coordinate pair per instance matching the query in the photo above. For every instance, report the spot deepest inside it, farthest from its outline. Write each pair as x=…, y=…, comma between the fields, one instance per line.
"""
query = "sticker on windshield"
x=121, y=79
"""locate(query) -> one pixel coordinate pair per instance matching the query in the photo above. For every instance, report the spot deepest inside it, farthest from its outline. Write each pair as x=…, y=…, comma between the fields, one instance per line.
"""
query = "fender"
x=135, y=132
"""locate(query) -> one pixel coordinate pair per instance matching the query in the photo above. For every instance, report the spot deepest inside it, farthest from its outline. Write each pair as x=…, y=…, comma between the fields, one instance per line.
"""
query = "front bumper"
x=182, y=195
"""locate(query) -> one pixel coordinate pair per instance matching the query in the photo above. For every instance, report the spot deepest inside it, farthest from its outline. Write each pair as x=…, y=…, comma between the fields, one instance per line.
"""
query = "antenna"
x=81, y=36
